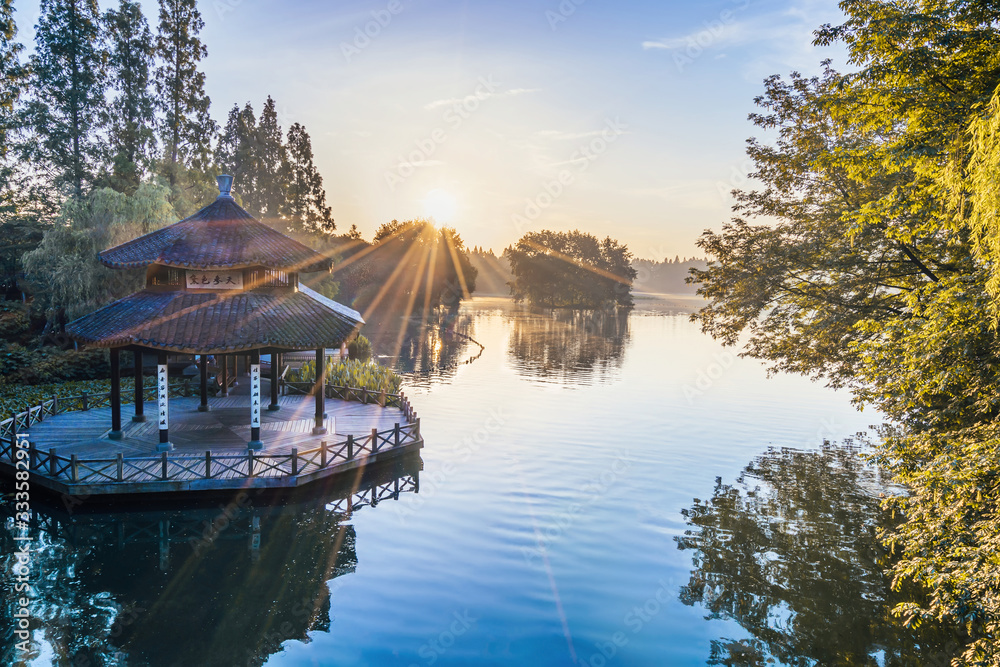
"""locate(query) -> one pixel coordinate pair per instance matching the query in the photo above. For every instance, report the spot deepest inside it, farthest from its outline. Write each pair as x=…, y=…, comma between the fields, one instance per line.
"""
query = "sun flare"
x=440, y=205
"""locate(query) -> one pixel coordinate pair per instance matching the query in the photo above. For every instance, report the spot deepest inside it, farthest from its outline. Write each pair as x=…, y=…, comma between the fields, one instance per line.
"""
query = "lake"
x=596, y=489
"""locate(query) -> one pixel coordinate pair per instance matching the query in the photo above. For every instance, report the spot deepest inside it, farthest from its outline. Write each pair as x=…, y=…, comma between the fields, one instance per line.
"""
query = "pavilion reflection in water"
x=222, y=584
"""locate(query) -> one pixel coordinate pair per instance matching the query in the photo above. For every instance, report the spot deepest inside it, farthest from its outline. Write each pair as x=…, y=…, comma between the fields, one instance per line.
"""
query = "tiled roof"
x=193, y=322
x=220, y=236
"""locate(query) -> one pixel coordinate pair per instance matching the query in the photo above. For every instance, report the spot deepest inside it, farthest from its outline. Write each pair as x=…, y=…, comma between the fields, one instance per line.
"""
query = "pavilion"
x=217, y=283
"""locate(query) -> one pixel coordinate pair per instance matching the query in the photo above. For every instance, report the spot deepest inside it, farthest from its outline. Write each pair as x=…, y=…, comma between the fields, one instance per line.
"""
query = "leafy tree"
x=68, y=86
x=186, y=130
x=13, y=76
x=873, y=266
x=236, y=151
x=64, y=272
x=570, y=270
x=131, y=115
x=305, y=207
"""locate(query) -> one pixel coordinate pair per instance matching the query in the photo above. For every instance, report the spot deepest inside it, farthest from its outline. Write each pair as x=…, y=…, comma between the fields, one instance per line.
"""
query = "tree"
x=570, y=270
x=64, y=271
x=130, y=118
x=236, y=152
x=873, y=266
x=305, y=207
x=186, y=130
x=272, y=169
x=68, y=85
x=13, y=77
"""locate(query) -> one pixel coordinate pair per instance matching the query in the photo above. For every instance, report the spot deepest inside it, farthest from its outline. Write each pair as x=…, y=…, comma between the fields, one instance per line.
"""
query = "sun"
x=440, y=205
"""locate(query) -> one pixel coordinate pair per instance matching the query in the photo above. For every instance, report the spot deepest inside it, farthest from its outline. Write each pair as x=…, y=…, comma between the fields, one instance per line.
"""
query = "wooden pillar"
x=275, y=366
x=320, y=391
x=225, y=375
x=116, y=395
x=140, y=395
x=255, y=402
x=203, y=372
x=162, y=409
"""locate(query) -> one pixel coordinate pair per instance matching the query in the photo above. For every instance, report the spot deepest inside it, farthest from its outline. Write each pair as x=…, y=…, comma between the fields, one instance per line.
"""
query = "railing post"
x=85, y=398
x=374, y=440
x=55, y=404
x=295, y=461
x=121, y=466
x=322, y=454
x=416, y=427
x=250, y=463
x=163, y=466
x=53, y=466
x=74, y=472
x=395, y=434
x=350, y=447
x=208, y=464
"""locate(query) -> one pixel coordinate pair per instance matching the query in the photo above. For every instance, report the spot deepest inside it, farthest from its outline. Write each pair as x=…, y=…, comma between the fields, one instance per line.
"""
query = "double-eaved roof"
x=220, y=236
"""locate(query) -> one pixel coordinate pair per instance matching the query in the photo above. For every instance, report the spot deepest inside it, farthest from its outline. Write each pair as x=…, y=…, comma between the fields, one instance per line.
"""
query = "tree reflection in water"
x=790, y=553
x=569, y=346
x=225, y=584
x=425, y=349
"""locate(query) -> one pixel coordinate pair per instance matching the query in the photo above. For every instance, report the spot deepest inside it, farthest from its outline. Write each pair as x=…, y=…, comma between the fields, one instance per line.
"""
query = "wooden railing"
x=164, y=468
x=359, y=395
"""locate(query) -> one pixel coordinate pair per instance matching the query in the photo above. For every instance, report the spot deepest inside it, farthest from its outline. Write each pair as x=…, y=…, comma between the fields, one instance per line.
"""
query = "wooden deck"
x=70, y=452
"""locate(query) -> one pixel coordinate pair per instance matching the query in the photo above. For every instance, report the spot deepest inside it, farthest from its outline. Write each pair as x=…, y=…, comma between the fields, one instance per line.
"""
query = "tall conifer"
x=67, y=91
x=131, y=116
x=305, y=204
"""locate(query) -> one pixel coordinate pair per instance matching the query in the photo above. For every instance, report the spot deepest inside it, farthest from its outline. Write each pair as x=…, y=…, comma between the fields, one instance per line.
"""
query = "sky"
x=625, y=119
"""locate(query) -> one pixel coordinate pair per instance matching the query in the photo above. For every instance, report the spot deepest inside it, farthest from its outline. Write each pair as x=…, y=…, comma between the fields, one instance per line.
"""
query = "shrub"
x=360, y=348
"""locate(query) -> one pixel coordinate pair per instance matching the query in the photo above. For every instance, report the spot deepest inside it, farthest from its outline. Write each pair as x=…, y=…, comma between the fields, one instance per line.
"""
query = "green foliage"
x=570, y=270
x=16, y=398
x=351, y=373
x=64, y=270
x=873, y=265
x=305, y=206
x=68, y=84
x=360, y=348
x=130, y=115
x=187, y=129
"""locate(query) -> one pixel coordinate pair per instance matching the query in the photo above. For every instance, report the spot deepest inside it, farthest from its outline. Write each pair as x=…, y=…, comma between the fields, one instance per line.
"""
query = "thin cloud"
x=480, y=96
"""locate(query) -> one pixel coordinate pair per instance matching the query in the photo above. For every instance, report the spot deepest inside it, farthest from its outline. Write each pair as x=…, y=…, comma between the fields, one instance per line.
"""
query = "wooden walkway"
x=64, y=444
x=225, y=429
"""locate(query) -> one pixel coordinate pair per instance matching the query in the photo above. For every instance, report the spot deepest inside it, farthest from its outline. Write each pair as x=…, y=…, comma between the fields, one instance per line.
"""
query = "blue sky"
x=619, y=118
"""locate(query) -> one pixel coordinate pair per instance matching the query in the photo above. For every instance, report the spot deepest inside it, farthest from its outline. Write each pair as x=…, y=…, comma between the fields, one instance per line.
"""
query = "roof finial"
x=225, y=185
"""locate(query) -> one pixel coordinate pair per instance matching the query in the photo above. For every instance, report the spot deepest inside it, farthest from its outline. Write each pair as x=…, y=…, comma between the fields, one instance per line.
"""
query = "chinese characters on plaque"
x=214, y=279
x=161, y=395
x=254, y=395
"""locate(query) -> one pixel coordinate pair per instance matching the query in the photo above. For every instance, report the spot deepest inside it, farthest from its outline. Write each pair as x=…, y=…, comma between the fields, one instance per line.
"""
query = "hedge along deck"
x=69, y=451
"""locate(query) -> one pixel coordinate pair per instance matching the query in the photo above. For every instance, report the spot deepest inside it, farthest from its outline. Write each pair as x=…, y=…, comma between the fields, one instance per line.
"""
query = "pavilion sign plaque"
x=214, y=279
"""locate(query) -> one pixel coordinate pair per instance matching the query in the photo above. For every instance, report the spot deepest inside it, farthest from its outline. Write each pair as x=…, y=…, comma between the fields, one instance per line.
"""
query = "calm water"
x=594, y=490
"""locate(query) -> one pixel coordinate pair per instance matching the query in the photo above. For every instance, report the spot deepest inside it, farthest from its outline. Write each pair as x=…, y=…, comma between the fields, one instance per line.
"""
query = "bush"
x=360, y=348
x=352, y=373
x=18, y=365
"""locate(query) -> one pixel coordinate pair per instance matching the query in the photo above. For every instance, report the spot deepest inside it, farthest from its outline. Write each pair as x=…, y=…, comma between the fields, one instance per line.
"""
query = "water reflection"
x=426, y=352
x=790, y=553
x=224, y=584
x=569, y=347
